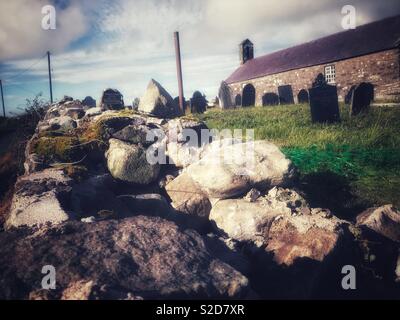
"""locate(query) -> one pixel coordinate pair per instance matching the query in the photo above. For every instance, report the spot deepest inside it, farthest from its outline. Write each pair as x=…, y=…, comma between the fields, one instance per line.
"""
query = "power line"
x=21, y=88
x=27, y=69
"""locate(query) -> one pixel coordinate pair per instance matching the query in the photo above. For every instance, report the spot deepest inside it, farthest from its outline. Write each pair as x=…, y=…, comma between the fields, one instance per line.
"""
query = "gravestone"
x=323, y=101
x=302, y=96
x=89, y=101
x=270, y=99
x=361, y=98
x=198, y=102
x=185, y=103
x=224, y=96
x=285, y=94
x=238, y=100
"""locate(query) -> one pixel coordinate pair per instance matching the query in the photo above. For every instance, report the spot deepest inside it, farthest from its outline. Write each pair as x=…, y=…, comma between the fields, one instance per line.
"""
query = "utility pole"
x=2, y=99
x=179, y=70
x=51, y=87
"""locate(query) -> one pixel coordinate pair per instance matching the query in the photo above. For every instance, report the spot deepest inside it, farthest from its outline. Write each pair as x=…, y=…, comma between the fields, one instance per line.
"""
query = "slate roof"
x=369, y=38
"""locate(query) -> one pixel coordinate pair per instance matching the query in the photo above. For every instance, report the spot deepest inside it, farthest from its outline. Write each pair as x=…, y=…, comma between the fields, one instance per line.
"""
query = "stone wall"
x=381, y=69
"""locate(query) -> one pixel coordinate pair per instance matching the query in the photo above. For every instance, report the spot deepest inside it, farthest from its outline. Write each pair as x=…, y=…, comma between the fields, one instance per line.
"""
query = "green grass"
x=349, y=165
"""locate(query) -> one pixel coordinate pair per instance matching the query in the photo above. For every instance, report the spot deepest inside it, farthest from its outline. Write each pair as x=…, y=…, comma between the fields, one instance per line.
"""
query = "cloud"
x=132, y=41
x=21, y=33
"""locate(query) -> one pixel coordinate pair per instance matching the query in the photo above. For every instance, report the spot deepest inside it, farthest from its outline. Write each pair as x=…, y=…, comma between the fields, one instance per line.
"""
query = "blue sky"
x=123, y=44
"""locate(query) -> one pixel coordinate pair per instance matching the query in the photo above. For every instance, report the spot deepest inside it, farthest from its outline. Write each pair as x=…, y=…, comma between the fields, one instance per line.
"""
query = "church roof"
x=369, y=38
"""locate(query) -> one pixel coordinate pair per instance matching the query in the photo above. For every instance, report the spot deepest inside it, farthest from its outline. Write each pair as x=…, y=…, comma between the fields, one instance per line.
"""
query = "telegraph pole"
x=51, y=87
x=179, y=70
x=2, y=99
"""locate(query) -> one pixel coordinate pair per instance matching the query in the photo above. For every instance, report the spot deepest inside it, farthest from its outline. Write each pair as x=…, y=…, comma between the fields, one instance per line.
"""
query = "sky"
x=123, y=44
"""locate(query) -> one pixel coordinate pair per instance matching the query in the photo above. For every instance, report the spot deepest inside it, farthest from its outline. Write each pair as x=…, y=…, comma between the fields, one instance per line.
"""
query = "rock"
x=188, y=198
x=53, y=112
x=95, y=111
x=63, y=122
x=134, y=134
x=384, y=220
x=95, y=194
x=39, y=198
x=146, y=204
x=252, y=195
x=304, y=236
x=284, y=199
x=246, y=220
x=128, y=163
x=184, y=145
x=158, y=102
x=239, y=167
x=140, y=256
x=243, y=220
x=90, y=219
x=75, y=113
x=156, y=121
x=65, y=99
x=112, y=124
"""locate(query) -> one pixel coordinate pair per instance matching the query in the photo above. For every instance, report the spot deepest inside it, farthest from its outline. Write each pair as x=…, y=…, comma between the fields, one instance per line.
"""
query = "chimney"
x=246, y=51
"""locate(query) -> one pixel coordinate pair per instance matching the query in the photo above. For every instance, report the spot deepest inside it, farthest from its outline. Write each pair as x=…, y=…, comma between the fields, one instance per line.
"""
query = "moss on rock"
x=58, y=148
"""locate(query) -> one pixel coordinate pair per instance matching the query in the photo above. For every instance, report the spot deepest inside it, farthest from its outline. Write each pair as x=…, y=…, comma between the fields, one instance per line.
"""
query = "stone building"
x=370, y=53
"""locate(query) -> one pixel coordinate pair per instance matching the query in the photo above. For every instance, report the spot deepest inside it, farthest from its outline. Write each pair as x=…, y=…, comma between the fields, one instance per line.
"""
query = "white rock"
x=239, y=167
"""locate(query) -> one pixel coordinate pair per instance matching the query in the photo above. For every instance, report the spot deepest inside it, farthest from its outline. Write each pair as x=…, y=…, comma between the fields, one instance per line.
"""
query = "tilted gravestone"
x=361, y=98
x=225, y=96
x=323, y=101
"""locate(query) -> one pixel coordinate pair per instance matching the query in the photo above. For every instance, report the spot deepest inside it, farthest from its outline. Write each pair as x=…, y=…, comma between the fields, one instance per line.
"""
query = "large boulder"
x=384, y=220
x=237, y=168
x=304, y=236
x=39, y=199
x=141, y=256
x=158, y=102
x=128, y=162
x=243, y=220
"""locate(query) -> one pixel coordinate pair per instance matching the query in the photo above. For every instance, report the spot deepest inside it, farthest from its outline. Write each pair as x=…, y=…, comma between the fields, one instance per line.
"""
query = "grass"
x=346, y=166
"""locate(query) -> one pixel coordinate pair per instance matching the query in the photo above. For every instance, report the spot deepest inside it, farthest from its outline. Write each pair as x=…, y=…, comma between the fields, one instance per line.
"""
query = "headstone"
x=361, y=98
x=302, y=96
x=225, y=96
x=89, y=101
x=285, y=94
x=198, y=102
x=324, y=101
x=112, y=99
x=185, y=103
x=270, y=99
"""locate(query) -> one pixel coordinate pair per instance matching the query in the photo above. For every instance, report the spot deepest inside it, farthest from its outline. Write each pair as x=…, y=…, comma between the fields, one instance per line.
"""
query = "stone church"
x=370, y=53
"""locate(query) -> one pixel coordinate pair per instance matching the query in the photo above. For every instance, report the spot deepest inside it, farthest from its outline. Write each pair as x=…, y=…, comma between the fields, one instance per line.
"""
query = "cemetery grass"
x=345, y=167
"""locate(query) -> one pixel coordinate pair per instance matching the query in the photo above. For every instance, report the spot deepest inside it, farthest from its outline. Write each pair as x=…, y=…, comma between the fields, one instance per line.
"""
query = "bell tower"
x=246, y=51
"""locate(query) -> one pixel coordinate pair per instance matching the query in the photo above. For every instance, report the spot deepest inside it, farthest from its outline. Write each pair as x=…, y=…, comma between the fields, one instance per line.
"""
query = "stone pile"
x=197, y=225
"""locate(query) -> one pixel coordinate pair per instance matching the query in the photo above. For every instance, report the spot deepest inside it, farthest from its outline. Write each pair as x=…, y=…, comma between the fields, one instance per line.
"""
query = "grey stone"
x=158, y=102
x=128, y=163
